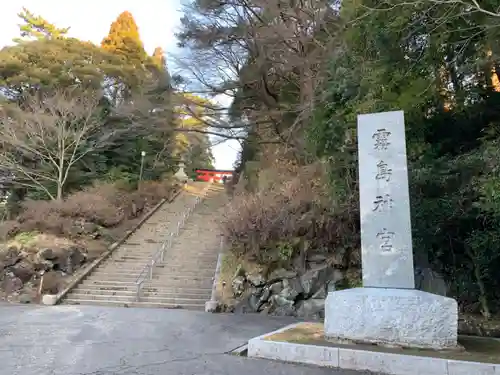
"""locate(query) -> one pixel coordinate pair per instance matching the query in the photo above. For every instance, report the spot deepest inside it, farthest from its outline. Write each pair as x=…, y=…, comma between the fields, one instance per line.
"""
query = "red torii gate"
x=213, y=174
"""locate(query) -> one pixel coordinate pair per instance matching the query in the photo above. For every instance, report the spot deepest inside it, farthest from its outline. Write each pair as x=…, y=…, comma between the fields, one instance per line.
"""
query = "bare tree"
x=42, y=141
x=268, y=55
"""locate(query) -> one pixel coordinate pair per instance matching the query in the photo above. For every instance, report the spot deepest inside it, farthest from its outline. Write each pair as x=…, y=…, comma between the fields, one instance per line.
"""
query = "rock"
x=69, y=259
x=266, y=310
x=316, y=258
x=296, y=285
x=429, y=281
x=279, y=301
x=256, y=291
x=51, y=282
x=254, y=303
x=280, y=306
x=287, y=310
x=307, y=282
x=276, y=287
x=256, y=279
x=321, y=293
x=289, y=294
x=266, y=293
x=46, y=254
x=280, y=274
x=10, y=256
x=316, y=279
x=247, y=304
x=11, y=284
x=311, y=308
x=238, y=286
x=25, y=298
x=24, y=270
x=299, y=262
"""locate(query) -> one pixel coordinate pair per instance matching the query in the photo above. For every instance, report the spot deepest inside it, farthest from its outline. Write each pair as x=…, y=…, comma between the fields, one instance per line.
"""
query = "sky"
x=158, y=20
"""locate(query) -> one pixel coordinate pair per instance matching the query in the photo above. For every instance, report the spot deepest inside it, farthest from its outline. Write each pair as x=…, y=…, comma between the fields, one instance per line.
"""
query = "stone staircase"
x=183, y=280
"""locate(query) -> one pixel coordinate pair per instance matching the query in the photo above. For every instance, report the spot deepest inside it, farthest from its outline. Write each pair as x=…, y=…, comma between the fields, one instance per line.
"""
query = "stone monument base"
x=401, y=317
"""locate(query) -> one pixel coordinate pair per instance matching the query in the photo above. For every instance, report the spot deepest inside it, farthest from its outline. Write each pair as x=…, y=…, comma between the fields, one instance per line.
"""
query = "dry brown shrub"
x=42, y=216
x=100, y=204
x=105, y=204
x=154, y=191
x=291, y=210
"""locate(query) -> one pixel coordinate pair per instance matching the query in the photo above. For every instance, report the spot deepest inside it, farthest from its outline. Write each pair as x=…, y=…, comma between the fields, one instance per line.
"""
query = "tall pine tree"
x=38, y=28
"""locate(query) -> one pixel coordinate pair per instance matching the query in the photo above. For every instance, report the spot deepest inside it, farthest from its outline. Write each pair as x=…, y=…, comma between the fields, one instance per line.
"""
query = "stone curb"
x=113, y=247
x=363, y=360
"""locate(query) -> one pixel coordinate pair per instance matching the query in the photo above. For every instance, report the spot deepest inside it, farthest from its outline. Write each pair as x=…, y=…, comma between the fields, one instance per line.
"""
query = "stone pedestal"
x=402, y=317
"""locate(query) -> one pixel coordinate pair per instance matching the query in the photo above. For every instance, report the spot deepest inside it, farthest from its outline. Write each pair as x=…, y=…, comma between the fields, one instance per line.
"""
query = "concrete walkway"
x=95, y=340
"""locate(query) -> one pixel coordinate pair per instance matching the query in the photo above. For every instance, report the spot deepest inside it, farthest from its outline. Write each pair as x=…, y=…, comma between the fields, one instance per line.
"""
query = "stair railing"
x=159, y=256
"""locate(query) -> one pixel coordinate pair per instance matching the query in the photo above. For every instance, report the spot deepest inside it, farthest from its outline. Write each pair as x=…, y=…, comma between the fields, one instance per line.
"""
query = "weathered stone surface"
x=256, y=279
x=24, y=270
x=429, y=281
x=46, y=254
x=392, y=316
x=276, y=287
x=386, y=242
x=316, y=258
x=321, y=293
x=281, y=274
x=311, y=308
x=289, y=294
x=266, y=293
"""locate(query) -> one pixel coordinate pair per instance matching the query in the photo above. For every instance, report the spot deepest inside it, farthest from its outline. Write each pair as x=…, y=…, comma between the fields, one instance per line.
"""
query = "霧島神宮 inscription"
x=384, y=201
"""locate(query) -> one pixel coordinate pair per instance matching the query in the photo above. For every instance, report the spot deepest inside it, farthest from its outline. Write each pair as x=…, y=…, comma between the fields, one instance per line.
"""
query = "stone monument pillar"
x=388, y=310
x=181, y=174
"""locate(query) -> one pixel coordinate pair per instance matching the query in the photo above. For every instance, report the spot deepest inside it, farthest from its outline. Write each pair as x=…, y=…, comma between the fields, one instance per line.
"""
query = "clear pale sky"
x=90, y=20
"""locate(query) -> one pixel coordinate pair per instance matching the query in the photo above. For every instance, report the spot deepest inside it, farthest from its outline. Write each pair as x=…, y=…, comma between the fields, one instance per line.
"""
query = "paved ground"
x=88, y=340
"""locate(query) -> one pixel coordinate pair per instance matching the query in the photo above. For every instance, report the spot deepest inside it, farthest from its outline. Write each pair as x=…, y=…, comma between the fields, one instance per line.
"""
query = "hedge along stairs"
x=183, y=279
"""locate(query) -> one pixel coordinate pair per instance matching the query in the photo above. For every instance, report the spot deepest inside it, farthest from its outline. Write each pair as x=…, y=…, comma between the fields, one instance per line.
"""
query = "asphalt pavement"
x=85, y=340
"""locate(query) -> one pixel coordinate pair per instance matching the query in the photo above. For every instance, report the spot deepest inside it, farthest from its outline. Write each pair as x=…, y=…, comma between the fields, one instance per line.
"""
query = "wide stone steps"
x=197, y=252
x=156, y=299
x=113, y=282
x=183, y=280
x=129, y=288
x=196, y=294
x=158, y=305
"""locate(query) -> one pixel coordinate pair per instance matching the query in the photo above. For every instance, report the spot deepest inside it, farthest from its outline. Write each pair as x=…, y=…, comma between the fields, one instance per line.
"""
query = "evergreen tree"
x=124, y=39
x=36, y=27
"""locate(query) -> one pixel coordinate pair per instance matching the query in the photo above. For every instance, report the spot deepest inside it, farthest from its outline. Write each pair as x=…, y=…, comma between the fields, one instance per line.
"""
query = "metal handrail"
x=159, y=255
